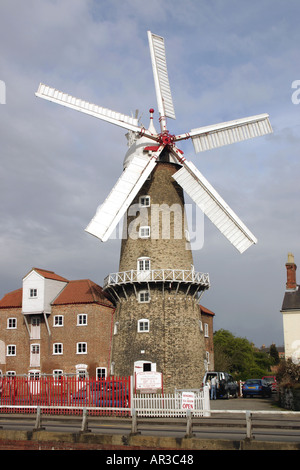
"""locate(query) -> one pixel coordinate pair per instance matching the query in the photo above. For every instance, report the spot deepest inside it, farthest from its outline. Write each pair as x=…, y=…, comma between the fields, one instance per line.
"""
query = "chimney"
x=291, y=273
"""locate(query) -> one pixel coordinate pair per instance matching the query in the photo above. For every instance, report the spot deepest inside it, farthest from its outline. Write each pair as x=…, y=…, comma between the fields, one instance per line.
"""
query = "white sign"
x=149, y=380
x=188, y=401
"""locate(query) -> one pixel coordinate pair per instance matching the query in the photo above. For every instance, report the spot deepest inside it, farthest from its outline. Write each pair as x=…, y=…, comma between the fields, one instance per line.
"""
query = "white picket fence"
x=170, y=405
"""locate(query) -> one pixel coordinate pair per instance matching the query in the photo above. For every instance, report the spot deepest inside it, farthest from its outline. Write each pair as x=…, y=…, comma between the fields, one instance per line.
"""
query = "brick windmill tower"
x=156, y=289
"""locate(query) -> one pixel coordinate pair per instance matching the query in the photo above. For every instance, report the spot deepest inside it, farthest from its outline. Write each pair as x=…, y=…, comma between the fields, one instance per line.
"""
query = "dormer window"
x=33, y=293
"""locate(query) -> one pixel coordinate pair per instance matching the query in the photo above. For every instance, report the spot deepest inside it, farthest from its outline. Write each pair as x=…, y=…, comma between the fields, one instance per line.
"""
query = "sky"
x=226, y=60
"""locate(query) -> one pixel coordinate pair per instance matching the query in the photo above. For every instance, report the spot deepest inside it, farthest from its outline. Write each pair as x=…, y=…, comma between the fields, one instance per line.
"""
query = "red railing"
x=107, y=396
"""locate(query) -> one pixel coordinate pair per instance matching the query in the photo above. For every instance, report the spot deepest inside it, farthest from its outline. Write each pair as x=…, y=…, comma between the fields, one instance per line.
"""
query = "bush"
x=288, y=374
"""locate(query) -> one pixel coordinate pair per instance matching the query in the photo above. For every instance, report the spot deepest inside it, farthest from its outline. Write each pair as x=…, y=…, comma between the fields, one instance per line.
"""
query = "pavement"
x=248, y=404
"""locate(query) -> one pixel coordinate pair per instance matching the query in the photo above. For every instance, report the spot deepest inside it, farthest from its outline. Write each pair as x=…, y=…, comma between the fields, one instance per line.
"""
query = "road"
x=220, y=425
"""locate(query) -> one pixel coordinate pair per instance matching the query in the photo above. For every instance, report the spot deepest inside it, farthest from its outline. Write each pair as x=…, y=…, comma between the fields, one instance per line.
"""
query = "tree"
x=239, y=357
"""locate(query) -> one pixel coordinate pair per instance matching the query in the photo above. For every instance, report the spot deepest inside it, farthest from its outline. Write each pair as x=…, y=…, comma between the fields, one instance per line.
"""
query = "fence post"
x=134, y=427
x=249, y=434
x=84, y=424
x=38, y=426
x=189, y=432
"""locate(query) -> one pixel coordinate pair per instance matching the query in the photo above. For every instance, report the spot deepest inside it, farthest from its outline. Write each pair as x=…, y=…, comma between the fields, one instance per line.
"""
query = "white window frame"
x=33, y=293
x=80, y=317
x=58, y=321
x=57, y=374
x=103, y=373
x=12, y=323
x=144, y=231
x=116, y=328
x=81, y=345
x=143, y=325
x=144, y=263
x=58, y=349
x=206, y=330
x=11, y=350
x=145, y=201
x=144, y=297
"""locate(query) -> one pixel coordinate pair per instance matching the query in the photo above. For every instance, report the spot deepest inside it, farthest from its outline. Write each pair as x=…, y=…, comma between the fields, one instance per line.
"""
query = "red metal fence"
x=107, y=396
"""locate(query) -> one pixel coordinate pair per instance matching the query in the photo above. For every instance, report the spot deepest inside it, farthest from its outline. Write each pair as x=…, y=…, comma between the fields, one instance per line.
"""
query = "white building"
x=291, y=313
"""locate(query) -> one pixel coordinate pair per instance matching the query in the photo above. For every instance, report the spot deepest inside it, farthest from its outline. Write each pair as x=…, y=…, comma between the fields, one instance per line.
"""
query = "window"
x=11, y=350
x=101, y=373
x=144, y=296
x=33, y=293
x=57, y=374
x=144, y=231
x=81, y=348
x=11, y=323
x=145, y=201
x=206, y=330
x=58, y=320
x=82, y=319
x=143, y=325
x=57, y=348
x=116, y=328
x=147, y=367
x=200, y=325
x=143, y=264
x=207, y=356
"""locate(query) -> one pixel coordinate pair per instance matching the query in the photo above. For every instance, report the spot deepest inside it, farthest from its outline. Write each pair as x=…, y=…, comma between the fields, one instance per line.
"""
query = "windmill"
x=189, y=177
x=156, y=284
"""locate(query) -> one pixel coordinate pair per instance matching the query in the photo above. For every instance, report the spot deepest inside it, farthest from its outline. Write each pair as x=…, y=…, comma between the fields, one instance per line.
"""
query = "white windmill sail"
x=59, y=97
x=214, y=207
x=160, y=73
x=225, y=133
x=121, y=196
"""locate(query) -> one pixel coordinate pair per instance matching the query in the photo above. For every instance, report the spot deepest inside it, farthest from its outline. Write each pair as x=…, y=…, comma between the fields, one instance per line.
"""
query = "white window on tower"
x=145, y=201
x=144, y=296
x=144, y=231
x=143, y=325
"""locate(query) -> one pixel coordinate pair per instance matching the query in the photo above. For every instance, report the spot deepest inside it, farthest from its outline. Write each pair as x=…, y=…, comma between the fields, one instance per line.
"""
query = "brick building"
x=55, y=326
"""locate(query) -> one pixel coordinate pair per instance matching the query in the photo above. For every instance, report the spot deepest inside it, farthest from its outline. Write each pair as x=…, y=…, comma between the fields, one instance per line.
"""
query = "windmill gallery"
x=156, y=289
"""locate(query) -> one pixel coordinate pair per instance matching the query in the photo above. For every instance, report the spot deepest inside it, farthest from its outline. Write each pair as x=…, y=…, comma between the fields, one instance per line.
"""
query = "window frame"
x=11, y=320
x=145, y=293
x=58, y=349
x=79, y=345
x=58, y=317
x=144, y=322
x=144, y=231
x=82, y=316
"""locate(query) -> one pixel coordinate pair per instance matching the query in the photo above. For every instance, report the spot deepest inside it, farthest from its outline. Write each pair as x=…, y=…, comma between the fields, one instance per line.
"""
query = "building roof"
x=48, y=274
x=205, y=310
x=291, y=300
x=12, y=299
x=82, y=292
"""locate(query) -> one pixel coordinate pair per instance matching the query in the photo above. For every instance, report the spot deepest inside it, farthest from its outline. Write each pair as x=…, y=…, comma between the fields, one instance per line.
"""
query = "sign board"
x=188, y=401
x=149, y=381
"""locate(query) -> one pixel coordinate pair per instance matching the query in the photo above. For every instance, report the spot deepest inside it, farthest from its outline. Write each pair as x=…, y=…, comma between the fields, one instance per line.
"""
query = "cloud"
x=57, y=166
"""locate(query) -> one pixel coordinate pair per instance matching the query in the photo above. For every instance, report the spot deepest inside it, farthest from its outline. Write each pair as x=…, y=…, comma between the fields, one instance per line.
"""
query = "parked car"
x=226, y=386
x=271, y=379
x=256, y=387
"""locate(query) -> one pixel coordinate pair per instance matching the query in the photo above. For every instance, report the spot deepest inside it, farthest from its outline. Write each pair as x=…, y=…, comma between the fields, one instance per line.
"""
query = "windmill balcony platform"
x=157, y=276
